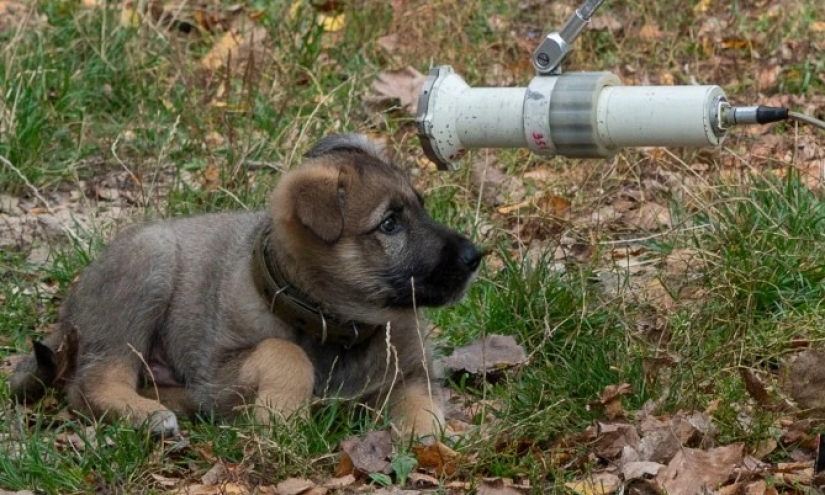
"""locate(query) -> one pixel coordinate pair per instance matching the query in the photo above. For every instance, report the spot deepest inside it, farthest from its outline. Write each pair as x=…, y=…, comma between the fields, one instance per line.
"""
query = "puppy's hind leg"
x=109, y=389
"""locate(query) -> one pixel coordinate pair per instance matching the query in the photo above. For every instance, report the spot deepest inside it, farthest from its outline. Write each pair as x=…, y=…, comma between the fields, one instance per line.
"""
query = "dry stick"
x=148, y=369
x=424, y=362
x=391, y=351
x=39, y=197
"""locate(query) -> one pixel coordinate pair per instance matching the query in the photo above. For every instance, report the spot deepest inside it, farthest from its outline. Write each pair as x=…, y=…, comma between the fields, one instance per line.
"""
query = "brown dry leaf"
x=745, y=488
x=345, y=466
x=613, y=438
x=655, y=293
x=804, y=379
x=403, y=85
x=164, y=481
x=215, y=475
x=339, y=482
x=611, y=400
x=648, y=216
x=650, y=32
x=692, y=470
x=493, y=353
x=497, y=188
x=663, y=437
x=500, y=486
x=756, y=389
x=734, y=44
x=764, y=448
x=640, y=469
x=421, y=480
x=211, y=177
x=370, y=454
x=222, y=489
x=596, y=484
x=293, y=486
x=606, y=22
x=438, y=458
x=555, y=206
x=767, y=78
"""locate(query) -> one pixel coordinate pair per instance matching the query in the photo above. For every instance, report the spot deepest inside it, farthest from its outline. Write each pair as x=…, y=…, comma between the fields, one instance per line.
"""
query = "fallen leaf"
x=650, y=32
x=745, y=488
x=222, y=489
x=648, y=216
x=493, y=353
x=693, y=470
x=555, y=206
x=597, y=484
x=370, y=454
x=332, y=23
x=404, y=85
x=496, y=187
x=339, y=482
x=612, y=438
x=215, y=474
x=640, y=469
x=293, y=486
x=238, y=46
x=211, y=177
x=129, y=17
x=611, y=400
x=756, y=389
x=607, y=22
x=420, y=480
x=767, y=78
x=764, y=448
x=500, y=486
x=438, y=458
x=804, y=380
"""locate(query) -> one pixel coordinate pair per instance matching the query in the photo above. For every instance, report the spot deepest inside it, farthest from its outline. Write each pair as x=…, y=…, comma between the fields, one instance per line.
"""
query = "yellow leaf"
x=702, y=6
x=598, y=484
x=734, y=44
x=220, y=51
x=332, y=23
x=818, y=26
x=129, y=16
x=293, y=9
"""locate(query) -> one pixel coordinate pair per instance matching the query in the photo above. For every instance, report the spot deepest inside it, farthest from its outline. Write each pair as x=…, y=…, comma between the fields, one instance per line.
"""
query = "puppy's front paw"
x=163, y=424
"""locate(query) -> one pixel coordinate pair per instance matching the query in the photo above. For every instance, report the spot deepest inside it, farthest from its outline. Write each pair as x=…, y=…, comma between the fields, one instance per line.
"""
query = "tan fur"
x=280, y=391
x=416, y=410
x=111, y=391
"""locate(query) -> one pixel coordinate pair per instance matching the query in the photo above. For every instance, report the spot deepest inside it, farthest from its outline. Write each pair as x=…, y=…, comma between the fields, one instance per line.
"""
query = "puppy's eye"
x=390, y=225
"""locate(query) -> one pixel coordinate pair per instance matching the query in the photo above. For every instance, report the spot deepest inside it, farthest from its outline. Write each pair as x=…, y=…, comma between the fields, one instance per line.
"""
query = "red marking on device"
x=538, y=139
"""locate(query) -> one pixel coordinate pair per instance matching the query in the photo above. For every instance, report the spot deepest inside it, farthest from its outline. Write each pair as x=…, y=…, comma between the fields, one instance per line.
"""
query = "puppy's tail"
x=51, y=364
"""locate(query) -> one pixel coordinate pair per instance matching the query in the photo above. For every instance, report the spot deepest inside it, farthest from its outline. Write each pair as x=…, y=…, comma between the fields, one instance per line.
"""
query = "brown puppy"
x=316, y=297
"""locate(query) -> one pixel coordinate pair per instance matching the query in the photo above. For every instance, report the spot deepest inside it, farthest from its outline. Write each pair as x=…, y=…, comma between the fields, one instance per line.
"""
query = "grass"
x=87, y=96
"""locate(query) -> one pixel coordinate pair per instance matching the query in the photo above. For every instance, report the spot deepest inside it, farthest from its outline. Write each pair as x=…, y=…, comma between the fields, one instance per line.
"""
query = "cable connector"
x=752, y=115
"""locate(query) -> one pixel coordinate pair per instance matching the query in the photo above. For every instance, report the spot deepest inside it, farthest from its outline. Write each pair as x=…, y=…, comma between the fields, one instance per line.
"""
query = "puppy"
x=215, y=314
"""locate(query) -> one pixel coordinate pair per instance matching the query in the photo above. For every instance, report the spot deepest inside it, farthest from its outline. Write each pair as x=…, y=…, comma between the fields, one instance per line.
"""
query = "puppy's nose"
x=470, y=255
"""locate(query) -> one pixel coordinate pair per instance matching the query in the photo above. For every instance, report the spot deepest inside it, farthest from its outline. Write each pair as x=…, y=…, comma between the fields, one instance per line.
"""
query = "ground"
x=667, y=301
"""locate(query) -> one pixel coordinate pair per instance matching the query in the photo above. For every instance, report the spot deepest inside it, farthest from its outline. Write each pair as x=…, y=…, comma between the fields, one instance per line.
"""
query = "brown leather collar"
x=296, y=308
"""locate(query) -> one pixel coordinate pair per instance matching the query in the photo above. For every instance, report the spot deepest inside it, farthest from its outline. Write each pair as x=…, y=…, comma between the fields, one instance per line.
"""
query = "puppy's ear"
x=346, y=142
x=319, y=203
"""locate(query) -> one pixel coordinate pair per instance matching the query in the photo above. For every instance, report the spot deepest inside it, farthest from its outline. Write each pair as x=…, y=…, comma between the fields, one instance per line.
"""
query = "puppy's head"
x=351, y=230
